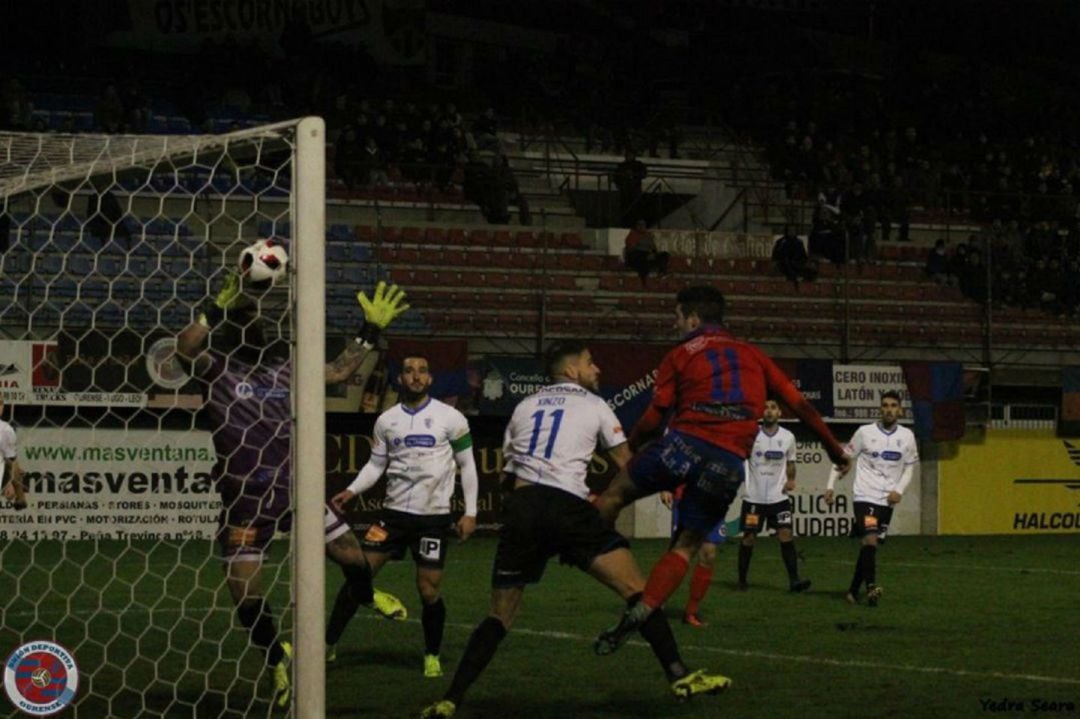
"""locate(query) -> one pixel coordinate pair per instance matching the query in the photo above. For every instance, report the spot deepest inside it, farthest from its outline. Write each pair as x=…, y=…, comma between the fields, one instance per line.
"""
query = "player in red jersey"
x=713, y=387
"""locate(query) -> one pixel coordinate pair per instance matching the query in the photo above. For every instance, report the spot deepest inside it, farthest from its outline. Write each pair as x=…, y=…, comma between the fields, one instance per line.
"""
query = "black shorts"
x=871, y=519
x=539, y=522
x=425, y=535
x=756, y=517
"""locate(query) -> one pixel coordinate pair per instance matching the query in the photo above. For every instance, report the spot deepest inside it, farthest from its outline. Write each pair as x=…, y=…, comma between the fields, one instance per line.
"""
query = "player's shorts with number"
x=425, y=535
x=756, y=518
x=871, y=518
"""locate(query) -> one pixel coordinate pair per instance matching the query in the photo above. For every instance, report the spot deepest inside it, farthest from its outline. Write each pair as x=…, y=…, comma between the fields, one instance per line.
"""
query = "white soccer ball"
x=265, y=262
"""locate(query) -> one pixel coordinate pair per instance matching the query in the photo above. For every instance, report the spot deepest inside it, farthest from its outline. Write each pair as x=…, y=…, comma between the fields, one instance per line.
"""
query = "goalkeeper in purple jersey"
x=247, y=378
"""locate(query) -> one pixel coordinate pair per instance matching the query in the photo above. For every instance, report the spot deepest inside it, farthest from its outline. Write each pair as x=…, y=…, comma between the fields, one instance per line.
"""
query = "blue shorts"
x=712, y=477
x=717, y=535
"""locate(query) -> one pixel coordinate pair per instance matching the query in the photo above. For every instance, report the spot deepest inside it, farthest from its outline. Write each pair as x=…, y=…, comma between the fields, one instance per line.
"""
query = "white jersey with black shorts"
x=765, y=504
x=548, y=445
x=881, y=459
x=417, y=448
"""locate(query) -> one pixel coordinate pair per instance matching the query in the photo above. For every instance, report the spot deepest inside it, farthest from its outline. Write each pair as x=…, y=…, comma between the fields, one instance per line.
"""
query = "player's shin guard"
x=868, y=564
x=699, y=586
x=433, y=619
x=255, y=614
x=791, y=561
x=664, y=579
x=356, y=590
x=481, y=648
x=745, y=552
x=657, y=632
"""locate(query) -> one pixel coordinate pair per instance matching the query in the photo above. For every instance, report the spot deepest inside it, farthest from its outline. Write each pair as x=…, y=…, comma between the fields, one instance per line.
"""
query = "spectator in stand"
x=826, y=233
x=16, y=110
x=641, y=254
x=1070, y=299
x=937, y=265
x=109, y=112
x=485, y=131
x=348, y=159
x=897, y=212
x=477, y=184
x=957, y=265
x=973, y=280
x=373, y=164
x=505, y=175
x=628, y=177
x=791, y=258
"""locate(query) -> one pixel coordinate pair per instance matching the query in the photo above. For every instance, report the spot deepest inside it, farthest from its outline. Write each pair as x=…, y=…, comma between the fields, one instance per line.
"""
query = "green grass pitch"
x=964, y=621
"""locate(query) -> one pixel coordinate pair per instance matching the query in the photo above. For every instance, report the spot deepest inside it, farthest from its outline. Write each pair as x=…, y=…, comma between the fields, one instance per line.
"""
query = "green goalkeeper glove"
x=227, y=298
x=386, y=305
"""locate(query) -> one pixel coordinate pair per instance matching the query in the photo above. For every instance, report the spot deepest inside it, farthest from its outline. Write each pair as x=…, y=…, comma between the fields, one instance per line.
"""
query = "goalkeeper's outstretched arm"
x=191, y=342
x=385, y=305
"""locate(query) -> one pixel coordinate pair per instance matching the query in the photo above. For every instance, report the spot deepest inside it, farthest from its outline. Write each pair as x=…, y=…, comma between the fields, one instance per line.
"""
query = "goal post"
x=115, y=244
x=310, y=402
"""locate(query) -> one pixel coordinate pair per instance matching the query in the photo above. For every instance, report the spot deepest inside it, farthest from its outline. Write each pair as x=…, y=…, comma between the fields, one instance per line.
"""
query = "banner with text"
x=1010, y=482
x=114, y=484
x=29, y=374
x=392, y=31
x=857, y=390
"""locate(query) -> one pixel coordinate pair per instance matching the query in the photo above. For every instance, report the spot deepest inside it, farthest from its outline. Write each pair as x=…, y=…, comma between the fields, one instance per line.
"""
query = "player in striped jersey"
x=247, y=380
x=886, y=456
x=548, y=445
x=770, y=477
x=420, y=443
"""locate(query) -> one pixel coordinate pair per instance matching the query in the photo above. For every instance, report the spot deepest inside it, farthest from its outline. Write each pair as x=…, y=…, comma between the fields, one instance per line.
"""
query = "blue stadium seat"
x=80, y=264
x=49, y=263
x=339, y=232
x=110, y=264
x=337, y=252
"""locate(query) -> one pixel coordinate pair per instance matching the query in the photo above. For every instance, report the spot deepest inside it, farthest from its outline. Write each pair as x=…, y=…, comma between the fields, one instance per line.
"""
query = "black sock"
x=856, y=581
x=791, y=561
x=745, y=551
x=433, y=619
x=867, y=558
x=256, y=615
x=355, y=591
x=657, y=633
x=481, y=648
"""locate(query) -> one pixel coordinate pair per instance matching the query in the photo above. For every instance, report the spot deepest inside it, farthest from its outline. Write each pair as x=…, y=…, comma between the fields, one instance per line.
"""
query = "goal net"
x=114, y=596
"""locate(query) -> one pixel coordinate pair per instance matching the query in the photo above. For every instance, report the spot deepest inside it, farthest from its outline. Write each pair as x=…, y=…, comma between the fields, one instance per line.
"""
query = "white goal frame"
x=31, y=161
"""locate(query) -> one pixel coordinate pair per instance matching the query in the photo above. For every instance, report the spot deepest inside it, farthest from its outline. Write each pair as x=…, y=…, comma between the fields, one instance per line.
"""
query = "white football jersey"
x=880, y=459
x=8, y=443
x=766, y=468
x=8, y=446
x=552, y=436
x=420, y=467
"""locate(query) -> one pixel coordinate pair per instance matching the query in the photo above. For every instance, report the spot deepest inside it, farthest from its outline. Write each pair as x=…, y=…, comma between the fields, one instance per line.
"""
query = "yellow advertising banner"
x=1010, y=482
